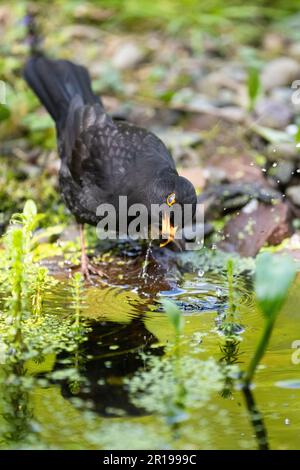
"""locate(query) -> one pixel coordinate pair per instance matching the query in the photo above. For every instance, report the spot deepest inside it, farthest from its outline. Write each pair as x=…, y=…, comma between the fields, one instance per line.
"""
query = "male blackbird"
x=101, y=159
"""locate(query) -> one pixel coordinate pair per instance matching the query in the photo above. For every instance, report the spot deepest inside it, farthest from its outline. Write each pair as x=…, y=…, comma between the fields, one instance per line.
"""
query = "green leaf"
x=174, y=314
x=253, y=84
x=78, y=278
x=30, y=210
x=297, y=135
x=4, y=112
x=274, y=275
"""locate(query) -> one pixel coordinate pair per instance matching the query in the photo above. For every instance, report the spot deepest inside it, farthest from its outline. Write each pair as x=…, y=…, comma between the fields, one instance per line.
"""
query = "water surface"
x=99, y=408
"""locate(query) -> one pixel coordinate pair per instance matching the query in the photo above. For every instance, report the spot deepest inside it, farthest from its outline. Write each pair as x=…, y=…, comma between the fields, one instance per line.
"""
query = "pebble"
x=295, y=50
x=280, y=72
x=293, y=192
x=283, y=151
x=127, y=56
x=283, y=171
x=274, y=114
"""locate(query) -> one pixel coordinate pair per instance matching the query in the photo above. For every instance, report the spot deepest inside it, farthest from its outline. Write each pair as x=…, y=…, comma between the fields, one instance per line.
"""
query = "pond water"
x=130, y=393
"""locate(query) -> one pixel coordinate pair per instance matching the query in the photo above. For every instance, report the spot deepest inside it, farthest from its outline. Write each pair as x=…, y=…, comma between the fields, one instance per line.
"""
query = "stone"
x=237, y=168
x=283, y=171
x=282, y=151
x=282, y=94
x=251, y=229
x=173, y=137
x=294, y=50
x=127, y=56
x=274, y=114
x=293, y=193
x=273, y=42
x=280, y=72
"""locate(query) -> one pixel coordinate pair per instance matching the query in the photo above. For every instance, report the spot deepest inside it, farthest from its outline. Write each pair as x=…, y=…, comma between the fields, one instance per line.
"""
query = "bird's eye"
x=171, y=199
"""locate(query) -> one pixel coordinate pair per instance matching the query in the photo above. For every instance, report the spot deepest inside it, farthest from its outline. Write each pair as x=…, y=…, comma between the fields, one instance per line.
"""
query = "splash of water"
x=144, y=273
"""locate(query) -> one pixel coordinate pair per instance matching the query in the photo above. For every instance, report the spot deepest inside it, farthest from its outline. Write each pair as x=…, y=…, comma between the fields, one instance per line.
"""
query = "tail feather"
x=56, y=83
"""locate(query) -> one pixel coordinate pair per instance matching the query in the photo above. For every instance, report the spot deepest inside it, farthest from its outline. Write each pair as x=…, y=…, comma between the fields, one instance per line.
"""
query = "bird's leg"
x=86, y=268
x=84, y=257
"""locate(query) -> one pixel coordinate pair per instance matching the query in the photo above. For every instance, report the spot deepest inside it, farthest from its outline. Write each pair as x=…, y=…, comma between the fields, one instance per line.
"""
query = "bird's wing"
x=84, y=137
x=99, y=151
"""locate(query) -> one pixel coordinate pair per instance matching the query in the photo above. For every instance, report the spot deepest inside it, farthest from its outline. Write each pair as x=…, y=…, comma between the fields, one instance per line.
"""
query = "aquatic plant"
x=229, y=325
x=16, y=264
x=176, y=383
x=273, y=278
x=15, y=302
x=155, y=387
x=78, y=332
x=25, y=282
x=77, y=286
x=230, y=345
x=177, y=402
x=131, y=436
x=214, y=261
x=176, y=319
x=256, y=419
x=18, y=426
x=26, y=329
x=38, y=287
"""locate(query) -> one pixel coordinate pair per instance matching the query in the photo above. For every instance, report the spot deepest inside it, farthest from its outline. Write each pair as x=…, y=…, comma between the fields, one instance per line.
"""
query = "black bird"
x=101, y=158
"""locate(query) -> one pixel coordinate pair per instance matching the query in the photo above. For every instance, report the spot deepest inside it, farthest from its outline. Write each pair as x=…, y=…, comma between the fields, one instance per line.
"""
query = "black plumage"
x=101, y=159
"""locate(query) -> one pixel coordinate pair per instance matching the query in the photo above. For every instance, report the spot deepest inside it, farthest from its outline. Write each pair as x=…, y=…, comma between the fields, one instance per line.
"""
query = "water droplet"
x=264, y=170
x=143, y=273
x=200, y=273
x=274, y=164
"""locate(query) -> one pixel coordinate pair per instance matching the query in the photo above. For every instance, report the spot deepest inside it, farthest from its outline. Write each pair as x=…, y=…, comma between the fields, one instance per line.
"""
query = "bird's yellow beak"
x=168, y=231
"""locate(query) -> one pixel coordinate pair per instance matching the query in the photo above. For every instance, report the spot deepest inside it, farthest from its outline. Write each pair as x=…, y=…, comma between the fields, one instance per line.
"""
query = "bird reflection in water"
x=114, y=351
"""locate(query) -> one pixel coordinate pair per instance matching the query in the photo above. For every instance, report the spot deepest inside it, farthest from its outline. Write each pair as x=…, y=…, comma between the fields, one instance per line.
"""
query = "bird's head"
x=176, y=197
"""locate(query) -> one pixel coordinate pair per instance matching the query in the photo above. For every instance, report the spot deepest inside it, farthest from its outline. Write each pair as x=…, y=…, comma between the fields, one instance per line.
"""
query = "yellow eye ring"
x=171, y=199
